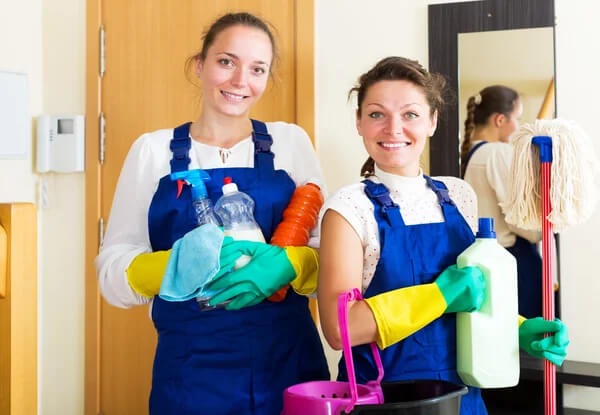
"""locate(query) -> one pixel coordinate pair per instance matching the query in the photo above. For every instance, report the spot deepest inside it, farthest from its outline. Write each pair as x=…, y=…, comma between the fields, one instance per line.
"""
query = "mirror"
x=447, y=22
x=520, y=59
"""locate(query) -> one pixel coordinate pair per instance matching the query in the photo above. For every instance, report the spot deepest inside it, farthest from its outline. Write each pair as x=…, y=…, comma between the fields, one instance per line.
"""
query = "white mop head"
x=575, y=176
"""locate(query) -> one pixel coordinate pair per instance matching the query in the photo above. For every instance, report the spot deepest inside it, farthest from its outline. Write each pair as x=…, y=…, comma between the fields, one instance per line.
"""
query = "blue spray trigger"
x=196, y=179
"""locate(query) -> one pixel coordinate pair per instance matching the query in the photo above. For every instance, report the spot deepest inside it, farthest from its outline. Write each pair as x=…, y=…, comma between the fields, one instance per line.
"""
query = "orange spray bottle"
x=299, y=218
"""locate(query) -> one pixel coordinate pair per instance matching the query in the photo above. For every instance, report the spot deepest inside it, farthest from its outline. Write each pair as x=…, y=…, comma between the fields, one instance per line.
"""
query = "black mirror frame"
x=446, y=21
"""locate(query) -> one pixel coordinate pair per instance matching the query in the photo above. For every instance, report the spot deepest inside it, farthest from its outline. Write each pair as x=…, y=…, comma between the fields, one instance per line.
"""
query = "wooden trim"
x=545, y=112
x=305, y=65
x=446, y=21
x=304, y=49
x=3, y=261
x=92, y=210
x=18, y=312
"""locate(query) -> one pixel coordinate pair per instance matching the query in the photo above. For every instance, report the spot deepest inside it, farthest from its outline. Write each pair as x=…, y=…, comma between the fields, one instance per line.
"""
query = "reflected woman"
x=486, y=158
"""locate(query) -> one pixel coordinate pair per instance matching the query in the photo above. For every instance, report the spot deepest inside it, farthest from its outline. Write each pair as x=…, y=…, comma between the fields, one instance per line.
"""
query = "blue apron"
x=414, y=255
x=228, y=362
x=529, y=269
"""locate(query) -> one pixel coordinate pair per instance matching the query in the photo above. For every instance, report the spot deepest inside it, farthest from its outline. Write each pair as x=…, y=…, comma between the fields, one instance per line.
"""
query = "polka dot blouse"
x=418, y=205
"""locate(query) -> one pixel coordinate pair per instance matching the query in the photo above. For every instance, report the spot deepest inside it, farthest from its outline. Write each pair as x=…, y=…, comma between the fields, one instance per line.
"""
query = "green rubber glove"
x=553, y=348
x=462, y=288
x=268, y=270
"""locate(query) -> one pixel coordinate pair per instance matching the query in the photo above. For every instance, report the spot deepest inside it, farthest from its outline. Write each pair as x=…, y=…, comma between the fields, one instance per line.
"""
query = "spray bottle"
x=236, y=211
x=487, y=339
x=202, y=204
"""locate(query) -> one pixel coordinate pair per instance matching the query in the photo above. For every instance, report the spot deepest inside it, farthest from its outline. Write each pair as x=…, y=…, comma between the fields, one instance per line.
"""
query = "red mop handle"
x=545, y=145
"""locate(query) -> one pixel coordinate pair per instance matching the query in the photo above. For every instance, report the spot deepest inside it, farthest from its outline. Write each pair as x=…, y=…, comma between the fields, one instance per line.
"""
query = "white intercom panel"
x=60, y=143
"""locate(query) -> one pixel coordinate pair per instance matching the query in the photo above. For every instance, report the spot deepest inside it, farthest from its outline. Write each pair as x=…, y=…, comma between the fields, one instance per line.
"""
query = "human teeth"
x=232, y=96
x=394, y=145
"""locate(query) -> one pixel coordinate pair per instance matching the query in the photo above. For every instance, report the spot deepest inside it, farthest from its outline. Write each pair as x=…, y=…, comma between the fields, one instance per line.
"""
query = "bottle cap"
x=229, y=186
x=486, y=228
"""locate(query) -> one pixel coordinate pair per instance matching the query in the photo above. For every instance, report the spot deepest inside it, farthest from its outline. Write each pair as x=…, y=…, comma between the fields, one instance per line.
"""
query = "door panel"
x=144, y=89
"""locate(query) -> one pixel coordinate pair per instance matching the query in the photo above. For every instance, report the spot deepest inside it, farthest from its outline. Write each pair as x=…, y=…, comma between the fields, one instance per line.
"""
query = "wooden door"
x=144, y=88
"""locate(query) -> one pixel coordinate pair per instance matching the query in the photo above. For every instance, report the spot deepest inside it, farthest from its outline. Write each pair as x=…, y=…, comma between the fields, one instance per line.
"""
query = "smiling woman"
x=228, y=360
x=396, y=235
x=234, y=72
x=395, y=122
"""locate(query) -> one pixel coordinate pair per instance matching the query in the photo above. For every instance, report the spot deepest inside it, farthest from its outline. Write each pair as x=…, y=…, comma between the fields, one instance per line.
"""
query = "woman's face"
x=235, y=72
x=395, y=123
x=511, y=124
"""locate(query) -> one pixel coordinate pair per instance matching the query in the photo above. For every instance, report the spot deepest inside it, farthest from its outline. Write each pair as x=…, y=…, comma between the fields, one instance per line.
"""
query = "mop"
x=553, y=184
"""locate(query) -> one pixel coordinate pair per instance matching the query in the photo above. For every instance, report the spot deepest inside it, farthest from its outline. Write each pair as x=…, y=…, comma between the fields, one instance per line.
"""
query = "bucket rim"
x=462, y=390
x=363, y=391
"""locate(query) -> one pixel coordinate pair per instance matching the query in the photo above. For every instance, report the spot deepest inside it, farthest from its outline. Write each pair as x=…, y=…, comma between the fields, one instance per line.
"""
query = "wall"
x=577, y=92
x=46, y=40
x=63, y=239
x=22, y=22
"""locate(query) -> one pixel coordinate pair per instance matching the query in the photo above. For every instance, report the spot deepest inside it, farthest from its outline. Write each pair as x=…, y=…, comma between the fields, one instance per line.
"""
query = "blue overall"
x=529, y=269
x=414, y=255
x=228, y=362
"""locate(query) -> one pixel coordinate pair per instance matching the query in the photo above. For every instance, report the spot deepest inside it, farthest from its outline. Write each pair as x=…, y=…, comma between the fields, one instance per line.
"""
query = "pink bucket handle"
x=343, y=300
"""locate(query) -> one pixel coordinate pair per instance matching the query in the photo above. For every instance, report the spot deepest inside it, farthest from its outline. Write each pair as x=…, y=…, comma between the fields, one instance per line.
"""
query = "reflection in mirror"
x=520, y=59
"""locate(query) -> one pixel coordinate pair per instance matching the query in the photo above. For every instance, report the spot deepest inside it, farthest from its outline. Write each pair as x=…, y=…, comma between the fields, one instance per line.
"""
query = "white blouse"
x=488, y=172
x=418, y=204
x=148, y=161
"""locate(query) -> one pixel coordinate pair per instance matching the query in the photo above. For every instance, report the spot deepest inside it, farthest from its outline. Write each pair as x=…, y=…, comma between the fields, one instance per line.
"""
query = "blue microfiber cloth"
x=193, y=262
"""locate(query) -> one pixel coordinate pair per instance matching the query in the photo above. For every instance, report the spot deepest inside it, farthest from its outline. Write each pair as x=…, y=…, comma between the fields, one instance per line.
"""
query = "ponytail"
x=469, y=127
x=368, y=169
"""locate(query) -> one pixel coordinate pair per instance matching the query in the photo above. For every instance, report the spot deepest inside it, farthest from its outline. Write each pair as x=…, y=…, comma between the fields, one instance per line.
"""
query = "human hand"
x=268, y=270
x=552, y=348
x=462, y=288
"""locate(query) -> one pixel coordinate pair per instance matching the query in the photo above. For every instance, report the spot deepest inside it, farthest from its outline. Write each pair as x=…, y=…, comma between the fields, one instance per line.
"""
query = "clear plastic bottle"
x=487, y=339
x=202, y=206
x=236, y=211
x=200, y=201
x=204, y=211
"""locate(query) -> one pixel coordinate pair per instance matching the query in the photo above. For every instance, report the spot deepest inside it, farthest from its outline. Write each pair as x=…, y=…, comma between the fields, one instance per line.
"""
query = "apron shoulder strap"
x=263, y=156
x=472, y=151
x=380, y=197
x=440, y=190
x=180, y=147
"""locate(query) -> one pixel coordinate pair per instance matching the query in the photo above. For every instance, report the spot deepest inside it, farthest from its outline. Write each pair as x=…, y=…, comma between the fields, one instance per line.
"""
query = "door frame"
x=305, y=117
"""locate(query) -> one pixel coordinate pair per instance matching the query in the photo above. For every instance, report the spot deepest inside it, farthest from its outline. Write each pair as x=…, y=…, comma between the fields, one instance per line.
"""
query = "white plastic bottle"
x=487, y=339
x=236, y=211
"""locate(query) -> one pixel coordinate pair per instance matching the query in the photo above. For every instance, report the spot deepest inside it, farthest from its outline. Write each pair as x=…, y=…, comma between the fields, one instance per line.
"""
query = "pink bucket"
x=336, y=398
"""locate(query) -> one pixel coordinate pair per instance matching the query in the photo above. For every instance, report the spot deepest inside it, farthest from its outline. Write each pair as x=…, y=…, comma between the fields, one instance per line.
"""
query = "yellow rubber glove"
x=146, y=271
x=400, y=313
x=305, y=261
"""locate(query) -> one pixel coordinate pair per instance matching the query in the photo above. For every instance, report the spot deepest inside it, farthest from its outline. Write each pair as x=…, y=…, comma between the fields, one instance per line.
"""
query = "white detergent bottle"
x=487, y=339
x=236, y=211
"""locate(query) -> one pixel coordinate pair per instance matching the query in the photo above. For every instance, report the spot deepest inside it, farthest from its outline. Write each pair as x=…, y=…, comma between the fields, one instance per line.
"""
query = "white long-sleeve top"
x=488, y=172
x=148, y=161
x=418, y=205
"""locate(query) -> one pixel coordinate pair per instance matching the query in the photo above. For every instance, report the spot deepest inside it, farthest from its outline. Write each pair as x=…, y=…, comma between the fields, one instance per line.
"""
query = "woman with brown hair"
x=238, y=359
x=396, y=236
